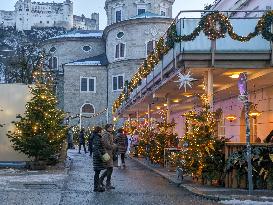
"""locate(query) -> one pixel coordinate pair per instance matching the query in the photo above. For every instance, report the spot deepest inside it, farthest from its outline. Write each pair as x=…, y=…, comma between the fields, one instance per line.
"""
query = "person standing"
x=135, y=143
x=108, y=143
x=122, y=143
x=70, y=139
x=98, y=164
x=90, y=143
x=82, y=141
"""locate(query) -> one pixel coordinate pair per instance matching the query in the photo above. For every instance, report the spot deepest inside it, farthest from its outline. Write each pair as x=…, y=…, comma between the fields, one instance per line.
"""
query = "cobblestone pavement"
x=134, y=186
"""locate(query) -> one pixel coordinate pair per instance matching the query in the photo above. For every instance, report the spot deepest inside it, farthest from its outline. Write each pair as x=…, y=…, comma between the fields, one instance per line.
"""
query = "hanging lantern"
x=231, y=117
x=254, y=112
x=187, y=94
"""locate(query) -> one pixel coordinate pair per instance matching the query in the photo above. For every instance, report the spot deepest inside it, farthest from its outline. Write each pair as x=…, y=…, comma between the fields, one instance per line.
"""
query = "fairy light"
x=208, y=25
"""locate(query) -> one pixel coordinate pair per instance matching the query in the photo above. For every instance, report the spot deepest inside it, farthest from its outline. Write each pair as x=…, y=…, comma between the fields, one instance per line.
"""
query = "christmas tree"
x=40, y=132
x=199, y=139
x=164, y=138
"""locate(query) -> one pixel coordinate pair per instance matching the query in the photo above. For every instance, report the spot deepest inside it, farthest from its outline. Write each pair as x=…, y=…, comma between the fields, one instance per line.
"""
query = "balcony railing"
x=202, y=45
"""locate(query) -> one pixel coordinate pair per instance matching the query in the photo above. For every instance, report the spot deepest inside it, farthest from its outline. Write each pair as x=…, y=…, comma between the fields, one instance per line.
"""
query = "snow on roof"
x=147, y=15
x=85, y=63
x=95, y=61
x=81, y=34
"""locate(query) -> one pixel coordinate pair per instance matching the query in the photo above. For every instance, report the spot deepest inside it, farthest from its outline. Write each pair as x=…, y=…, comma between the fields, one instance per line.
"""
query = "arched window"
x=88, y=109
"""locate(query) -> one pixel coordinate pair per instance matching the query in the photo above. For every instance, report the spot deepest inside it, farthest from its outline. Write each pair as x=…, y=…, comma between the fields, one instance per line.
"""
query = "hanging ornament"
x=185, y=80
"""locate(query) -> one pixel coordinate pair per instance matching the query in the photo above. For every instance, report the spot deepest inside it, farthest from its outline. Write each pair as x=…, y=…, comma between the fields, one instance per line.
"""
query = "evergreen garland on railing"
x=214, y=25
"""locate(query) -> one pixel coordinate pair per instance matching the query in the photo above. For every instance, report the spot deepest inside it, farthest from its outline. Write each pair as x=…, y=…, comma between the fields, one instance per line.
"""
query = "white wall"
x=244, y=5
x=13, y=100
x=236, y=129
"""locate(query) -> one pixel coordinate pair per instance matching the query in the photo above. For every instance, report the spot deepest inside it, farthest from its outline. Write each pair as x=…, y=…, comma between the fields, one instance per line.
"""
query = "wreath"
x=267, y=22
x=210, y=28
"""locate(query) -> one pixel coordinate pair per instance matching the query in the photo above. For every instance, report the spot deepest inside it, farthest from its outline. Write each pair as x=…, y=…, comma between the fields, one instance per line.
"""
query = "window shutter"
x=84, y=84
x=115, y=83
x=117, y=51
x=118, y=16
x=150, y=47
x=91, y=84
x=122, y=50
x=120, y=82
x=51, y=63
x=55, y=63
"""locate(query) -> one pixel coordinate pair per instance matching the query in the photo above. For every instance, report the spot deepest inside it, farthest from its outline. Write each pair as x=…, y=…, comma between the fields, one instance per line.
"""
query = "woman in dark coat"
x=122, y=142
x=98, y=164
x=108, y=143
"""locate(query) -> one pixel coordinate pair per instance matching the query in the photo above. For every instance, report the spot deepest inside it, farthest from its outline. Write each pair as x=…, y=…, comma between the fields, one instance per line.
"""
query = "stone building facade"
x=28, y=15
x=97, y=64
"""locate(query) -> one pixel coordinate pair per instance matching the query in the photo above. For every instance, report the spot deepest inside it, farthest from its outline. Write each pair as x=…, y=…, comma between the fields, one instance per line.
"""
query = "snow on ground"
x=246, y=202
x=8, y=171
x=266, y=197
x=34, y=178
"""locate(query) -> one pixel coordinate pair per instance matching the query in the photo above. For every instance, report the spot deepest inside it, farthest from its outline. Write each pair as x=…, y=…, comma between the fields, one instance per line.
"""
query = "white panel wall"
x=13, y=100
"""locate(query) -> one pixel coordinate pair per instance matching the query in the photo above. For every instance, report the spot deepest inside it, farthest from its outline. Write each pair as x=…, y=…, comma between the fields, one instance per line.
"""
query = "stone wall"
x=236, y=129
x=136, y=35
x=70, y=49
x=35, y=14
x=126, y=68
x=129, y=8
x=74, y=99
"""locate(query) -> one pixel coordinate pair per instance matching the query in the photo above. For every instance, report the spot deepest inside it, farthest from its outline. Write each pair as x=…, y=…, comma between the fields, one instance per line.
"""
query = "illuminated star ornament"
x=185, y=80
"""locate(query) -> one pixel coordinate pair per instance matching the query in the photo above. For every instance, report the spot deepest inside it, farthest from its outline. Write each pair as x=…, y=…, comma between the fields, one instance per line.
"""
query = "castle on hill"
x=28, y=15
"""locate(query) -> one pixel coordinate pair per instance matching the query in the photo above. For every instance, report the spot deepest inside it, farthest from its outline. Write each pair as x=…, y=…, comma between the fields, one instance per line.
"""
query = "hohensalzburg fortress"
x=28, y=15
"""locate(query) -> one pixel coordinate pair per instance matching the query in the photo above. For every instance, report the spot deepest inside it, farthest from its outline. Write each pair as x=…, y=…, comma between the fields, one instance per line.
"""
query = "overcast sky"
x=87, y=7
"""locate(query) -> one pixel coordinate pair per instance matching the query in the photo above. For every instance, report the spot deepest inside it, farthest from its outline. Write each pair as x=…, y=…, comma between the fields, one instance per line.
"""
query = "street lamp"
x=254, y=113
x=231, y=117
x=242, y=85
